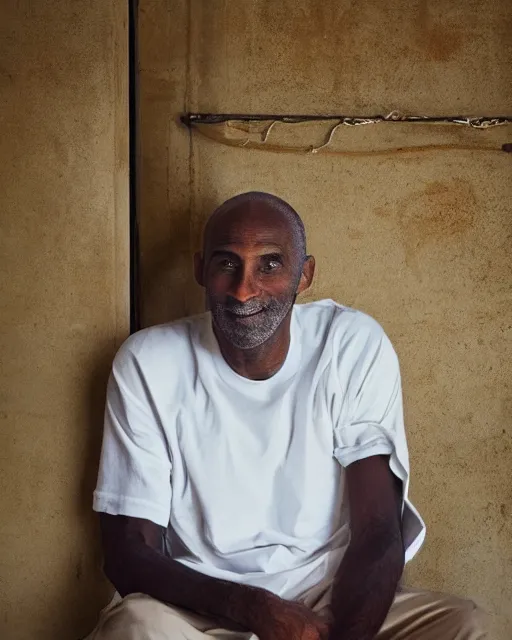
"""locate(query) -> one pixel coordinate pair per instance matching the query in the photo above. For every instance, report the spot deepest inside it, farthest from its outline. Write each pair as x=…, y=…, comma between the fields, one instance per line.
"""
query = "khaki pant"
x=415, y=615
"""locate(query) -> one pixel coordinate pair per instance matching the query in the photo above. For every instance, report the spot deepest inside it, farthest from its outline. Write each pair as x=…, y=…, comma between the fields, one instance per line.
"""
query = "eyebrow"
x=223, y=252
x=276, y=255
x=273, y=252
x=271, y=247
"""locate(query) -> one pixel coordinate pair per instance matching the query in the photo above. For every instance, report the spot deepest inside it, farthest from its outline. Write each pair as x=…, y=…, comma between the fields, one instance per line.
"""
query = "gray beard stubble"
x=265, y=325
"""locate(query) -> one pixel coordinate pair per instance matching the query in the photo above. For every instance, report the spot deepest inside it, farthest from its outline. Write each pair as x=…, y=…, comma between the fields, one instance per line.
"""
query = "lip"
x=249, y=316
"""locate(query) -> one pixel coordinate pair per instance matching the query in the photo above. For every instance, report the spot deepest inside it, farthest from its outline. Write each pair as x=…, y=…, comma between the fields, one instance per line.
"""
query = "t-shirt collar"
x=289, y=368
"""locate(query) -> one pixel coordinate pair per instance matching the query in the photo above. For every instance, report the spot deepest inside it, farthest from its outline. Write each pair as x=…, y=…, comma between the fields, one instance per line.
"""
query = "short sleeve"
x=134, y=477
x=370, y=420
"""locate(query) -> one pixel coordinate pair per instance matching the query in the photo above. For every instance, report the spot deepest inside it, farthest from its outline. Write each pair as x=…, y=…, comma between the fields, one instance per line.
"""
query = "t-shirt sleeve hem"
x=117, y=505
x=348, y=455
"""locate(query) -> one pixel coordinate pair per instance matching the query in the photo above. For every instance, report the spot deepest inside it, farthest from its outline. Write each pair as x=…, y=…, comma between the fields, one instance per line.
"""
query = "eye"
x=227, y=265
x=271, y=264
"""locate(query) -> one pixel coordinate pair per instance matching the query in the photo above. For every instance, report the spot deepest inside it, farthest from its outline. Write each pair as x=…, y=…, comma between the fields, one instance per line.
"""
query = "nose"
x=244, y=287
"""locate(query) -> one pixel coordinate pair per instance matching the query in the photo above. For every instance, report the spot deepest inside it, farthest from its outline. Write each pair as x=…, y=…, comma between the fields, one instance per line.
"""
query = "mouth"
x=241, y=317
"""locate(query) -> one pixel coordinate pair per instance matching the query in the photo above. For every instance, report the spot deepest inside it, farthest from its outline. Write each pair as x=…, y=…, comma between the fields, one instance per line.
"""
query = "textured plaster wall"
x=421, y=241
x=63, y=300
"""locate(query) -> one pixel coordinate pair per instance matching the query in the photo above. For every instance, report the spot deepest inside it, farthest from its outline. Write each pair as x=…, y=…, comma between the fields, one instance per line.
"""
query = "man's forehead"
x=251, y=223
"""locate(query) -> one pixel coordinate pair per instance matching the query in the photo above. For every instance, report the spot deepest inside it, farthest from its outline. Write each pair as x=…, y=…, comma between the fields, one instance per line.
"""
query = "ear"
x=306, y=278
x=199, y=268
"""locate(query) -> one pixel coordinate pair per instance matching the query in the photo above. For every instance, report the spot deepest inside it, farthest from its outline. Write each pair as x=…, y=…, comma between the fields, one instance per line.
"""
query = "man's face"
x=251, y=271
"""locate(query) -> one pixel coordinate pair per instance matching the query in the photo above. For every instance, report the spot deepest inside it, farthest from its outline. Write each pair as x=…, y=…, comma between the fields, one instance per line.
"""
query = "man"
x=254, y=473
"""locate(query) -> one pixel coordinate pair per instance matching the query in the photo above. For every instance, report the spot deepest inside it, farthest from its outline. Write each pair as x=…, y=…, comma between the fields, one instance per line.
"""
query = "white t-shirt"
x=248, y=476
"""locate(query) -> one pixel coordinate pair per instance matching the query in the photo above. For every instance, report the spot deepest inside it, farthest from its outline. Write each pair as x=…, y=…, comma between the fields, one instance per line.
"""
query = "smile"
x=245, y=316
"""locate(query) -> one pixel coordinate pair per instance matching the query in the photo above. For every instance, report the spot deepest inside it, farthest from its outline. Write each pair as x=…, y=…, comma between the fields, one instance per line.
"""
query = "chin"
x=245, y=343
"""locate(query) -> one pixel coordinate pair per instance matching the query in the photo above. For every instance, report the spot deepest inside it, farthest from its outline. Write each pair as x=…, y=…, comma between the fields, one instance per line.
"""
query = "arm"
x=133, y=496
x=369, y=573
x=134, y=563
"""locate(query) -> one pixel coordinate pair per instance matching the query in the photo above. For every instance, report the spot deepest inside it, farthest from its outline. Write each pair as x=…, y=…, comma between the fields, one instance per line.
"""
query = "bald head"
x=273, y=212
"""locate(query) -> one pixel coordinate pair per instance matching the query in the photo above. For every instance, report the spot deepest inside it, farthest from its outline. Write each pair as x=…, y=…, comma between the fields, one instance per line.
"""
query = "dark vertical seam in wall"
x=186, y=108
x=169, y=9
x=133, y=112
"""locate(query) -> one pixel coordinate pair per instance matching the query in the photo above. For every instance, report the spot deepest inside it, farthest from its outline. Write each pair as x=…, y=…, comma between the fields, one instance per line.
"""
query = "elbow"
x=111, y=569
x=382, y=546
x=116, y=567
x=126, y=551
x=397, y=553
x=130, y=566
x=396, y=545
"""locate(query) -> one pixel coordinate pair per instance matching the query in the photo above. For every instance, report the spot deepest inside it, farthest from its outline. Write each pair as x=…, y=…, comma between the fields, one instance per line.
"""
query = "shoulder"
x=356, y=326
x=164, y=342
x=343, y=323
x=352, y=337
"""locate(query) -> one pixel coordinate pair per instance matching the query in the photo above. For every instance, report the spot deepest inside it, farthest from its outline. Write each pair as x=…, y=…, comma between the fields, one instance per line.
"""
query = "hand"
x=284, y=620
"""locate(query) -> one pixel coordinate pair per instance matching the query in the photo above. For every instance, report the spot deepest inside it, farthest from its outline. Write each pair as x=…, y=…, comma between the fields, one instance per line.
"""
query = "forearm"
x=135, y=567
x=365, y=586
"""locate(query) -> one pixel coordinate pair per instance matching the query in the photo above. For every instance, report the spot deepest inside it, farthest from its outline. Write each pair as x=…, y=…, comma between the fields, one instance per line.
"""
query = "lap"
x=414, y=615
x=140, y=617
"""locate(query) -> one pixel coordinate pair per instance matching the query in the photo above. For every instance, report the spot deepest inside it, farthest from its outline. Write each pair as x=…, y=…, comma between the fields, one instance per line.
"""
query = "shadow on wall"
x=165, y=275
x=168, y=288
x=88, y=590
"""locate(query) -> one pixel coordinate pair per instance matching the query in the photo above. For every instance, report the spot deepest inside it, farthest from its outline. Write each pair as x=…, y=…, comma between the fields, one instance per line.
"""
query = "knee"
x=139, y=616
x=468, y=619
x=137, y=609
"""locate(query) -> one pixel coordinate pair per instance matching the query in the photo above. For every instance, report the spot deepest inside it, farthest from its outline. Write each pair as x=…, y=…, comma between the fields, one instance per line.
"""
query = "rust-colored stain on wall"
x=440, y=212
x=422, y=241
x=441, y=38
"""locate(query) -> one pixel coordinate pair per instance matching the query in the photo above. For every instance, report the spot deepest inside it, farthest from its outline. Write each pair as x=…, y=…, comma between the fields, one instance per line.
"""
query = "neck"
x=262, y=362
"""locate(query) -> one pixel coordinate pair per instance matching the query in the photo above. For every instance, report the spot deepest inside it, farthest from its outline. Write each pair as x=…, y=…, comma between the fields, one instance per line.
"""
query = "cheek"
x=218, y=284
x=280, y=287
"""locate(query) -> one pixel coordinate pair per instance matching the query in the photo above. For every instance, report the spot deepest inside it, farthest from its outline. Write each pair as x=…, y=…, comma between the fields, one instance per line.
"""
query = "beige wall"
x=63, y=299
x=421, y=241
